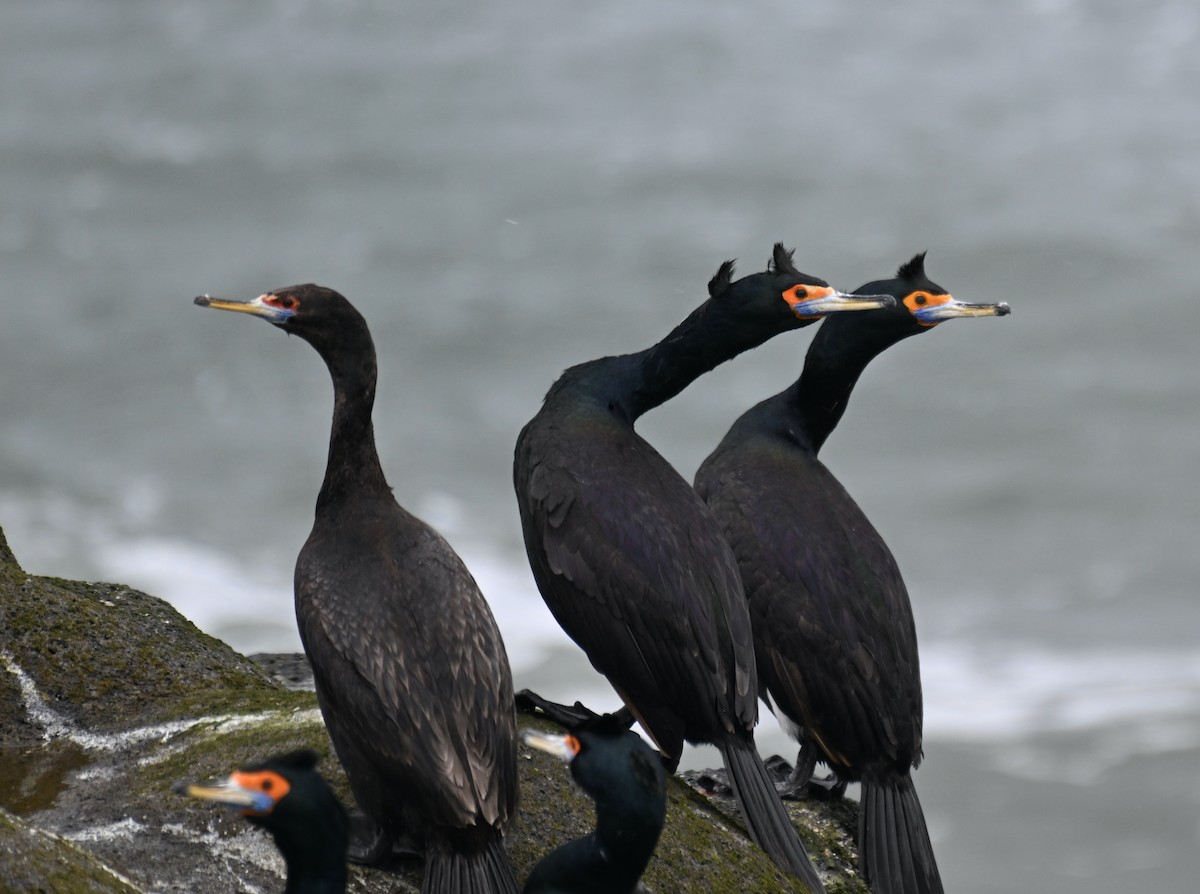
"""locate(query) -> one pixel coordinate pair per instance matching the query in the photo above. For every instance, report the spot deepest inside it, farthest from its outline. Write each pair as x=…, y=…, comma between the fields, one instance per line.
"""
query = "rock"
x=109, y=696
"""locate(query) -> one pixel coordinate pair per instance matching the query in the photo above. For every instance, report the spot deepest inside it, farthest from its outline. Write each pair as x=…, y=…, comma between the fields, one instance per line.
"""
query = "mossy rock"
x=110, y=697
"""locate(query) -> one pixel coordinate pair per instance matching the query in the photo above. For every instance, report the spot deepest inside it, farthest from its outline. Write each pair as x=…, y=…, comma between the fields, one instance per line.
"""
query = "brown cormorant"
x=627, y=782
x=632, y=563
x=833, y=628
x=410, y=670
x=287, y=796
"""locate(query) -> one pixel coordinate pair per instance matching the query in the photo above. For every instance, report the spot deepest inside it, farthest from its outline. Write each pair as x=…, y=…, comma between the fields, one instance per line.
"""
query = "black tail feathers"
x=765, y=815
x=894, y=852
x=485, y=872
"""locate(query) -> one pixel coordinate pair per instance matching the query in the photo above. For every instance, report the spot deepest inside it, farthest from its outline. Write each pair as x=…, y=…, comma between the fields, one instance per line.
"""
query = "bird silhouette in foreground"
x=833, y=628
x=287, y=796
x=409, y=666
x=632, y=563
x=627, y=782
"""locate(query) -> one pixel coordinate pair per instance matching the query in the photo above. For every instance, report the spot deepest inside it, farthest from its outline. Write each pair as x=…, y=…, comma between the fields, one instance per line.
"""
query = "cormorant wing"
x=396, y=606
x=636, y=571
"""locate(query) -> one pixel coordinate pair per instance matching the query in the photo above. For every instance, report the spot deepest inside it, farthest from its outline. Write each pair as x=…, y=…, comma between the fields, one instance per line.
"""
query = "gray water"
x=507, y=189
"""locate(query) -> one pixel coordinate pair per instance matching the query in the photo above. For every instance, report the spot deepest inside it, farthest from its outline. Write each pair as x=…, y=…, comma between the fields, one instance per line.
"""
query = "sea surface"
x=507, y=189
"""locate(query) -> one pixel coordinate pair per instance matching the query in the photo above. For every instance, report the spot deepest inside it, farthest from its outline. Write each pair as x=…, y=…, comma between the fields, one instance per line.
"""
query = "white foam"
x=1006, y=690
x=977, y=688
x=218, y=595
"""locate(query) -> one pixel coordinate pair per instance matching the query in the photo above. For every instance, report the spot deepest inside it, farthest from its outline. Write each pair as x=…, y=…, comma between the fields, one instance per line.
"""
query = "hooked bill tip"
x=202, y=300
x=1002, y=309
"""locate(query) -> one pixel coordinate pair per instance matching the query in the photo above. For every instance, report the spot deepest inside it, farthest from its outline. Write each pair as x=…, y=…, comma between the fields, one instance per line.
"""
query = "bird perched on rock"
x=833, y=627
x=627, y=782
x=409, y=666
x=632, y=563
x=287, y=796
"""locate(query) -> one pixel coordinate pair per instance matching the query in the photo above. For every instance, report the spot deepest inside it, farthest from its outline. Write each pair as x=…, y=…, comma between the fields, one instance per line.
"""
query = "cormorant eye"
x=920, y=299
x=267, y=785
x=801, y=292
x=285, y=301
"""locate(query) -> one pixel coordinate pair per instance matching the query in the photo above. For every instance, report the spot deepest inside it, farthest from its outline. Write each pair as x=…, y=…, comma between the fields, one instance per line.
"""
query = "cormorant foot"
x=830, y=788
x=529, y=702
x=373, y=845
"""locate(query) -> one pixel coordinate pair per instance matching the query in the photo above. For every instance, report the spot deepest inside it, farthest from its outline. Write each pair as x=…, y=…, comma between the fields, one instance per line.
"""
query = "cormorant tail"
x=487, y=871
x=766, y=817
x=894, y=852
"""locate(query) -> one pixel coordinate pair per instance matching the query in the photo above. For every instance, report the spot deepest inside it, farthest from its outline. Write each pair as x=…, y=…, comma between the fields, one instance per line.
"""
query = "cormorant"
x=630, y=560
x=410, y=669
x=626, y=780
x=287, y=796
x=833, y=628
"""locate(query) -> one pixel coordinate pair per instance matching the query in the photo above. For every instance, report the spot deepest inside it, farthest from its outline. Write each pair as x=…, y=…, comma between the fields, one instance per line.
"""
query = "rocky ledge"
x=108, y=696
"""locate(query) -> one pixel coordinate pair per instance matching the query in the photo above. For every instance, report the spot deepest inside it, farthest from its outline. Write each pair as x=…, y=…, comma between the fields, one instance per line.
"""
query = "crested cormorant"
x=632, y=563
x=287, y=796
x=833, y=628
x=626, y=780
x=410, y=670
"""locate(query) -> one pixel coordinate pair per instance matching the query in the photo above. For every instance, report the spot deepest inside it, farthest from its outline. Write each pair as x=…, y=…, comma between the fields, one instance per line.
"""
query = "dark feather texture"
x=721, y=279
x=913, y=270
x=628, y=558
x=834, y=636
x=409, y=666
x=781, y=260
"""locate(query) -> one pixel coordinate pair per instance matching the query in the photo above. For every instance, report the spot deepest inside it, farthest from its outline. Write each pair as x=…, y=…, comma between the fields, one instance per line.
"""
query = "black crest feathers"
x=781, y=260
x=913, y=270
x=720, y=282
x=301, y=759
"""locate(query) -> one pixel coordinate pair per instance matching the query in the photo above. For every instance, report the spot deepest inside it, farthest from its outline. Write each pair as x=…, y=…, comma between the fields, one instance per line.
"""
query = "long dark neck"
x=707, y=338
x=612, y=858
x=353, y=463
x=836, y=358
x=322, y=880
x=312, y=875
x=315, y=865
x=627, y=835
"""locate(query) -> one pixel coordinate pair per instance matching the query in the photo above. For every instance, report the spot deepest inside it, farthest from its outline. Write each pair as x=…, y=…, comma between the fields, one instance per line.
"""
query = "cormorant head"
x=920, y=302
x=286, y=796
x=782, y=297
x=609, y=762
x=320, y=316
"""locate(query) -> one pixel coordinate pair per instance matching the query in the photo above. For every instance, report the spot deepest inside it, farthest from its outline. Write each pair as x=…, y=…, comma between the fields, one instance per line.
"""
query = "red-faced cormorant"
x=632, y=563
x=409, y=666
x=626, y=780
x=833, y=628
x=287, y=797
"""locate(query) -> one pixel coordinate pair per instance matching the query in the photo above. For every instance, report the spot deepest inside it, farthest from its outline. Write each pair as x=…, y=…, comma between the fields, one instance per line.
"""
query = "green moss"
x=31, y=860
x=703, y=846
x=109, y=659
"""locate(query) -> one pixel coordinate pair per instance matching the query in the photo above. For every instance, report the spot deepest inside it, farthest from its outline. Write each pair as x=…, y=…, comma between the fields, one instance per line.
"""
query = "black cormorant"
x=833, y=628
x=626, y=780
x=409, y=666
x=287, y=796
x=630, y=560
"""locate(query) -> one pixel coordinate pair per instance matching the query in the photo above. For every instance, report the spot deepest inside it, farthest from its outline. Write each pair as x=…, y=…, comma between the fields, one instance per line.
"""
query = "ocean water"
x=505, y=190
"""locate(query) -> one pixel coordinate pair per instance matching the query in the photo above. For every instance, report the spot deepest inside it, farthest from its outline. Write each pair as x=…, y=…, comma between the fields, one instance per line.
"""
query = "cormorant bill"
x=287, y=796
x=632, y=563
x=833, y=628
x=627, y=782
x=409, y=666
